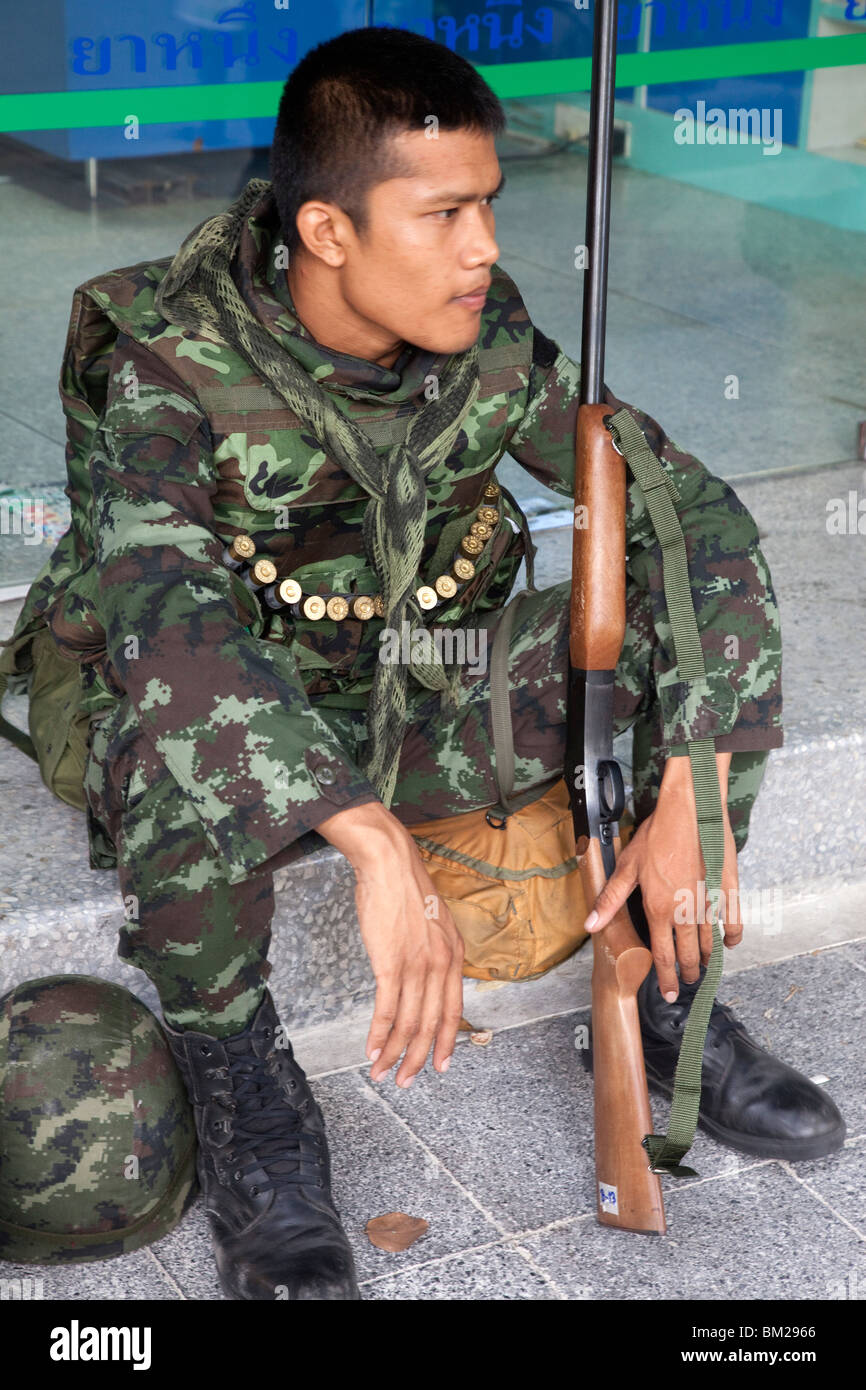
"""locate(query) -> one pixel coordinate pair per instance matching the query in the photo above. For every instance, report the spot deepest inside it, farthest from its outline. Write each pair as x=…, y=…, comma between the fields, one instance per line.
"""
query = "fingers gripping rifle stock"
x=628, y=1193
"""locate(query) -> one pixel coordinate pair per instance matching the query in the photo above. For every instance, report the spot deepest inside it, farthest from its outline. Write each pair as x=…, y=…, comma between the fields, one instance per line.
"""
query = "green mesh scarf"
x=199, y=292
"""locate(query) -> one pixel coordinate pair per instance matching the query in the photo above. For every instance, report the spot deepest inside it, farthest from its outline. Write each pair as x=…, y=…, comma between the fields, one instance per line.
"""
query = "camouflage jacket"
x=192, y=448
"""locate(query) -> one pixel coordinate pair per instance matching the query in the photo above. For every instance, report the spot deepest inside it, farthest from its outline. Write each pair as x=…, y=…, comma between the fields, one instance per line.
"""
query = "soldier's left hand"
x=664, y=858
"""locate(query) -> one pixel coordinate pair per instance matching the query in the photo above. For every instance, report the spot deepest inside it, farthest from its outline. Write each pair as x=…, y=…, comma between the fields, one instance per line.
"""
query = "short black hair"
x=345, y=101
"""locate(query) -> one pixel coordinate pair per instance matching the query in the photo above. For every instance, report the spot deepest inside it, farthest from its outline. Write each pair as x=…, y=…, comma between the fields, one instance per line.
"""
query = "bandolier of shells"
x=286, y=596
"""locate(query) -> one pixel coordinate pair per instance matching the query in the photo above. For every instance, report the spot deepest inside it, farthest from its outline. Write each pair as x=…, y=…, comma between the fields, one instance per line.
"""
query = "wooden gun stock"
x=628, y=1193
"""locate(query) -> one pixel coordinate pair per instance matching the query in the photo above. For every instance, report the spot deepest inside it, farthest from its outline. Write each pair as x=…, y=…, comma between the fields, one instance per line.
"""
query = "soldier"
x=332, y=368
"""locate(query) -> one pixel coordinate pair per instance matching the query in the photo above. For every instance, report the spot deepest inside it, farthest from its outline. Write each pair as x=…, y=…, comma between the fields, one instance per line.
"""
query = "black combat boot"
x=750, y=1101
x=263, y=1165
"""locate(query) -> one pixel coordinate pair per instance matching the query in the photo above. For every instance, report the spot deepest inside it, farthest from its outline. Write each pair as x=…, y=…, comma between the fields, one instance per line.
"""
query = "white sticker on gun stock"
x=607, y=1198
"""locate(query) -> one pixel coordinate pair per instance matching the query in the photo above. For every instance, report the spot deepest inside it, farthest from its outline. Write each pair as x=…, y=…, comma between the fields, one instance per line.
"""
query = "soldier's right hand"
x=414, y=947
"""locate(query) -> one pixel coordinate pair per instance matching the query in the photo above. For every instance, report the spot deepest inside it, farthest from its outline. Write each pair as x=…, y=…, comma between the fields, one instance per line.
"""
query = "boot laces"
x=266, y=1128
x=722, y=1022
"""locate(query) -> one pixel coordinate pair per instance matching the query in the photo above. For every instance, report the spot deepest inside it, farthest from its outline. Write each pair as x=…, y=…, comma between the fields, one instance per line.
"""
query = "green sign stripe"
x=222, y=101
x=208, y=101
x=679, y=65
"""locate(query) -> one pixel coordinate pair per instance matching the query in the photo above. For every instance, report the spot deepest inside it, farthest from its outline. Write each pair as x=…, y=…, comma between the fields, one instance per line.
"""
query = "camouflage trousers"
x=204, y=942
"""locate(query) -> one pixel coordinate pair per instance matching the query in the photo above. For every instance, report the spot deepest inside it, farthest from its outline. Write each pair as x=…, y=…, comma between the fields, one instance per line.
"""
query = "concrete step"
x=806, y=844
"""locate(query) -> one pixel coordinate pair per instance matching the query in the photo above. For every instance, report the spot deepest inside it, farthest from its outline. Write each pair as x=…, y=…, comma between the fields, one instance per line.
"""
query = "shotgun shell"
x=241, y=550
x=445, y=586
x=283, y=593
x=289, y=591
x=462, y=568
x=337, y=607
x=363, y=607
x=313, y=607
x=262, y=572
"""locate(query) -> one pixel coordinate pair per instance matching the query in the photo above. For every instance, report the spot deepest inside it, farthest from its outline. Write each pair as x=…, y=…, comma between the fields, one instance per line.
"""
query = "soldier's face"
x=429, y=242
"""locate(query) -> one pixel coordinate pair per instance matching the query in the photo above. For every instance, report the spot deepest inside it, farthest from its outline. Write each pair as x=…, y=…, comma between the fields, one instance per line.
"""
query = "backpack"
x=30, y=660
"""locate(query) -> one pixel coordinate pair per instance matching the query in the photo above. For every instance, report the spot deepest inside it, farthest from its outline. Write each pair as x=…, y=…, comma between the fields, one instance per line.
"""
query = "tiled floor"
x=497, y=1157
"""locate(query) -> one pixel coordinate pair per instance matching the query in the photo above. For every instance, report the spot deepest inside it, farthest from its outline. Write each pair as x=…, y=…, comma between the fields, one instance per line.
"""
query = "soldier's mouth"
x=472, y=301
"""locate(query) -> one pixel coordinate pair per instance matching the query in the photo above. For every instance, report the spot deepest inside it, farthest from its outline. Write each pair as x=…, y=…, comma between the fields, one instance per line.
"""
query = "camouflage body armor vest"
x=273, y=482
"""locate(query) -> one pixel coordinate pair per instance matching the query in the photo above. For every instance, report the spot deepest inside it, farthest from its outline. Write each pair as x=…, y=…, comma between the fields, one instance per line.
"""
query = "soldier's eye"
x=446, y=212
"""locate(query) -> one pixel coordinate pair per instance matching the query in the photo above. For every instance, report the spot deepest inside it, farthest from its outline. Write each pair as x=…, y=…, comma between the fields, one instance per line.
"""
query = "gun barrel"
x=598, y=201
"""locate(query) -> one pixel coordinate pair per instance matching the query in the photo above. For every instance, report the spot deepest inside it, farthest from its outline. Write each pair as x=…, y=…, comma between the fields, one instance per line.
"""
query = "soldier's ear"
x=321, y=227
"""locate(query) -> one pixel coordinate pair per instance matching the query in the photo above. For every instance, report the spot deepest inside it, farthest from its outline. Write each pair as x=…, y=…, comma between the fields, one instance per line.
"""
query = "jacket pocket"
x=58, y=727
x=282, y=468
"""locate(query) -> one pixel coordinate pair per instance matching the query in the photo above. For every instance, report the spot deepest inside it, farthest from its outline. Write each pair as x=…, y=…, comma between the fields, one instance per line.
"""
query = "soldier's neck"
x=325, y=314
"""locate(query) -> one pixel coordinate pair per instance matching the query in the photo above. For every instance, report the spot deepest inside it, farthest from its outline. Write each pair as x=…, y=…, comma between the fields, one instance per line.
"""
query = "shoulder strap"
x=500, y=705
x=10, y=732
x=666, y=1151
x=529, y=547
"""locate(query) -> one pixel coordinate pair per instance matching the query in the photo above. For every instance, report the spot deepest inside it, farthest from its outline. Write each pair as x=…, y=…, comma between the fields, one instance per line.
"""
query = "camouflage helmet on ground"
x=97, y=1136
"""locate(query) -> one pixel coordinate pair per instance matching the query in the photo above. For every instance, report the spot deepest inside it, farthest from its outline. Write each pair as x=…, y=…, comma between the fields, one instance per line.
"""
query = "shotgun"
x=628, y=1191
